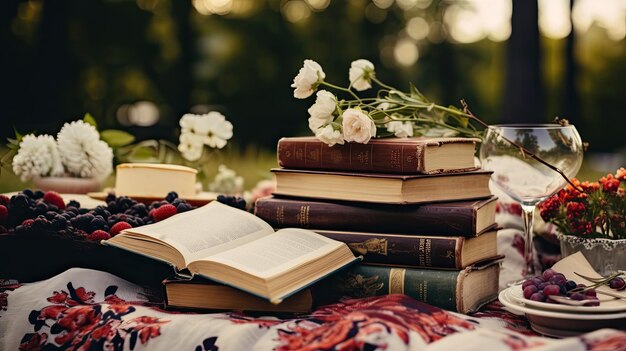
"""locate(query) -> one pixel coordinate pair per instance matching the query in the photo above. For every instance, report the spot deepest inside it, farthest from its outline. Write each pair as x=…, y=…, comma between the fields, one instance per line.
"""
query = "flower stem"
x=374, y=79
x=341, y=88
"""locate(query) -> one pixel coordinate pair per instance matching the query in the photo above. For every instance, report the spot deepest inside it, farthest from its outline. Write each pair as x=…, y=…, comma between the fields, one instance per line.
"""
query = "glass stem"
x=529, y=258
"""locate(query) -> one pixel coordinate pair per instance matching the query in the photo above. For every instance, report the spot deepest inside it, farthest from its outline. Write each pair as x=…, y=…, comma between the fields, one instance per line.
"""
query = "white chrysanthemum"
x=360, y=74
x=400, y=129
x=37, y=156
x=226, y=181
x=307, y=80
x=191, y=146
x=82, y=152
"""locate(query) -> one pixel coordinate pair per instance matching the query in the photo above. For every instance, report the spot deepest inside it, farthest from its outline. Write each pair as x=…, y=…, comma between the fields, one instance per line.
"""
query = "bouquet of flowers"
x=335, y=120
x=77, y=151
x=596, y=212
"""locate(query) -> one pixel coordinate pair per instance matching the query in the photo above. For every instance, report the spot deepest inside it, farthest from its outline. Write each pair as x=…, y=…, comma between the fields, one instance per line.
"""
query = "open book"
x=236, y=248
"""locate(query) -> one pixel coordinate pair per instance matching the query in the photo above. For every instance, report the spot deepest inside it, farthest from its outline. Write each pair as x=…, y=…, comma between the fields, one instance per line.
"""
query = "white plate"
x=607, y=305
x=563, y=324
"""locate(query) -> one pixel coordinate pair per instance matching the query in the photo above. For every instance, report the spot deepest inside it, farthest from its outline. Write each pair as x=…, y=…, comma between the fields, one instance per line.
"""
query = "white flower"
x=383, y=106
x=307, y=80
x=190, y=146
x=82, y=152
x=360, y=74
x=226, y=181
x=329, y=135
x=213, y=128
x=37, y=156
x=322, y=110
x=400, y=129
x=357, y=126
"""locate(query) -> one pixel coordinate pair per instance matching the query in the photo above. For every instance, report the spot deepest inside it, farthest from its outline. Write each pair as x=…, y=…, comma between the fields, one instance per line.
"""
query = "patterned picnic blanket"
x=83, y=309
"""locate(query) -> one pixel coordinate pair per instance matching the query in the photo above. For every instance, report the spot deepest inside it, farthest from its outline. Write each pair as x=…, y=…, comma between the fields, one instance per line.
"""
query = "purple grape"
x=617, y=283
x=538, y=296
x=552, y=289
x=570, y=284
x=529, y=290
x=527, y=283
x=577, y=296
x=590, y=292
x=547, y=274
x=558, y=279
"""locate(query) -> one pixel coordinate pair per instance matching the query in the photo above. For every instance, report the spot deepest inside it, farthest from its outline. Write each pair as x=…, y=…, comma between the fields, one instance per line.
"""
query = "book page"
x=277, y=253
x=209, y=229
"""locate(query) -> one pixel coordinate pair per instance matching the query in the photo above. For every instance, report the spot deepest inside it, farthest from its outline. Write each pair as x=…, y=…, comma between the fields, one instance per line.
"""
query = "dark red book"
x=440, y=252
x=458, y=218
x=387, y=155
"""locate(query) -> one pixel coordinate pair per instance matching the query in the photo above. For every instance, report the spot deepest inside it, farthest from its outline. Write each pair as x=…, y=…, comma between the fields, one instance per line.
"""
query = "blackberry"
x=50, y=215
x=41, y=208
x=233, y=201
x=182, y=207
x=171, y=196
x=112, y=207
x=38, y=194
x=28, y=193
x=53, y=208
x=73, y=203
x=140, y=209
x=83, y=210
x=110, y=197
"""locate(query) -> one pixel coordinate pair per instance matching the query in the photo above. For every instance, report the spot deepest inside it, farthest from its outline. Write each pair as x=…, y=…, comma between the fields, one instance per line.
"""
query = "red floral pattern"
x=76, y=322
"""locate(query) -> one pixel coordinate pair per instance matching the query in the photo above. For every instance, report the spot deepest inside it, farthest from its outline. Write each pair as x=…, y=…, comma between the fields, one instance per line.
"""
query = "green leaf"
x=18, y=136
x=143, y=154
x=116, y=138
x=88, y=118
x=416, y=94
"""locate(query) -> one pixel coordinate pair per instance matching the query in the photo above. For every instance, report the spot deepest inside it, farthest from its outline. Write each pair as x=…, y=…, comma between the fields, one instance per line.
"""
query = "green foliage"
x=116, y=138
x=88, y=118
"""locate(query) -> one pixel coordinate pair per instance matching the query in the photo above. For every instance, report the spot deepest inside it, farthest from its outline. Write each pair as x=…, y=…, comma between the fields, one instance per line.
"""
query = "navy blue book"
x=236, y=248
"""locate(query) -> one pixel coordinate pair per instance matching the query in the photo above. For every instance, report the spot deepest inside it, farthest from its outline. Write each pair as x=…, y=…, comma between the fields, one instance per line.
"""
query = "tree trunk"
x=523, y=97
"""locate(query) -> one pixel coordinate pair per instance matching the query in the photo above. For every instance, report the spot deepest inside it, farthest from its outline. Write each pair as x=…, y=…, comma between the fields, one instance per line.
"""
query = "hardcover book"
x=441, y=252
x=463, y=291
x=236, y=248
x=391, y=155
x=456, y=218
x=382, y=188
x=199, y=293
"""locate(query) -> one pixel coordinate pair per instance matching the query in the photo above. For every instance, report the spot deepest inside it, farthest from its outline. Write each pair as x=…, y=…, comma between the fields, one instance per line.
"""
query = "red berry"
x=28, y=222
x=529, y=291
x=4, y=213
x=54, y=198
x=4, y=200
x=98, y=235
x=118, y=227
x=163, y=212
x=551, y=289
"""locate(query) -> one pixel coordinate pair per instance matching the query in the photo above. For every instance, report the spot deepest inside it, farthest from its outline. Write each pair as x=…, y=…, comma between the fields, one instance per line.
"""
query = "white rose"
x=357, y=126
x=400, y=129
x=329, y=135
x=322, y=110
x=360, y=74
x=307, y=79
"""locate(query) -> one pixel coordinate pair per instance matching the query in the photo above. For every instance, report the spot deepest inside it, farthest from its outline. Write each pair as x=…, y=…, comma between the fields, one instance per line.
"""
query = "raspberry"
x=98, y=235
x=163, y=212
x=4, y=200
x=4, y=213
x=118, y=227
x=28, y=222
x=54, y=198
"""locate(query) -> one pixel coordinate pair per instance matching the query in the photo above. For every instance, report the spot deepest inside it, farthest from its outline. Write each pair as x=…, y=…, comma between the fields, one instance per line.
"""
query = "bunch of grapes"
x=552, y=283
x=38, y=211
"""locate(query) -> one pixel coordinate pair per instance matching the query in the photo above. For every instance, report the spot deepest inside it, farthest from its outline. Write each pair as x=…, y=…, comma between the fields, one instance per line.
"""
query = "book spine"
x=414, y=251
x=405, y=158
x=435, y=287
x=430, y=219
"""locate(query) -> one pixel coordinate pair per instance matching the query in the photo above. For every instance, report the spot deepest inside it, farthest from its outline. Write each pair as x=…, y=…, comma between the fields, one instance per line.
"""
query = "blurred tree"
x=523, y=99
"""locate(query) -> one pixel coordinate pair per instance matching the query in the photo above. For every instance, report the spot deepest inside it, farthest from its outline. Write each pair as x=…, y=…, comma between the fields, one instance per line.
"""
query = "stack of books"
x=417, y=210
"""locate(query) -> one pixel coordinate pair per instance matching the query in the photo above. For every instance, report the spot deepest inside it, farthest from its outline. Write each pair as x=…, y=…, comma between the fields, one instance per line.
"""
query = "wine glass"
x=506, y=150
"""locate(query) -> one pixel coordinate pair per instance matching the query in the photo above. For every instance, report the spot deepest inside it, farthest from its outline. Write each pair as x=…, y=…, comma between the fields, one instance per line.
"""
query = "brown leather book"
x=388, y=155
x=199, y=293
x=382, y=188
x=439, y=252
x=456, y=218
